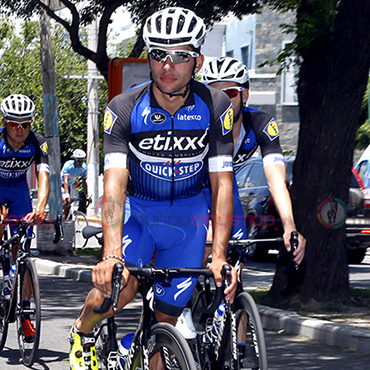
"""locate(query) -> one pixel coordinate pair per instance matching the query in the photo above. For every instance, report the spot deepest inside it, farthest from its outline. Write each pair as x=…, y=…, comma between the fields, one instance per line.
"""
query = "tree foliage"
x=20, y=72
x=81, y=13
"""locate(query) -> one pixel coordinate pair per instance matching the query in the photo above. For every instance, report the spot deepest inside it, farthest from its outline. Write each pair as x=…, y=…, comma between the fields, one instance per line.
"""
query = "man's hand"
x=216, y=268
x=35, y=218
x=299, y=253
x=102, y=276
x=66, y=198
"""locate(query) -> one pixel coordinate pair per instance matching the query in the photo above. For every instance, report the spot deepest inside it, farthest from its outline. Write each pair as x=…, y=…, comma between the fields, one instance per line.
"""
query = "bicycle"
x=240, y=342
x=24, y=300
x=151, y=337
x=79, y=218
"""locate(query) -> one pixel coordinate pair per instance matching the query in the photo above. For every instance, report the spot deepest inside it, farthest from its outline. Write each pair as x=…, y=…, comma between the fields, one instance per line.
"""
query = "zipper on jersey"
x=172, y=161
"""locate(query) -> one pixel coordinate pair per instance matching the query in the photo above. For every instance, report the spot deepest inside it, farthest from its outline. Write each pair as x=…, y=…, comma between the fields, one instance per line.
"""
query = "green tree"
x=20, y=72
x=333, y=46
x=83, y=12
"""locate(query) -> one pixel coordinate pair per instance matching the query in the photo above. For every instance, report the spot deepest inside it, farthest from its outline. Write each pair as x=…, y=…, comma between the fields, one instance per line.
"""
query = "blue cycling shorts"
x=18, y=199
x=176, y=234
x=239, y=228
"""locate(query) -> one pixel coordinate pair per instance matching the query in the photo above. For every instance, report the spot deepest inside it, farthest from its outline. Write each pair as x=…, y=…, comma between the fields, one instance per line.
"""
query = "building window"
x=230, y=53
x=289, y=83
x=245, y=56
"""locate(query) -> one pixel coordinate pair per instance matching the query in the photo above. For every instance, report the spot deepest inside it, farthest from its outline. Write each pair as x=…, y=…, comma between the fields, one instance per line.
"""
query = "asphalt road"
x=62, y=300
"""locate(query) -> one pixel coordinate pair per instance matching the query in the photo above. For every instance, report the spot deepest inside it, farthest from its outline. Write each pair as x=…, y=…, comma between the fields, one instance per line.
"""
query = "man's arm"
x=113, y=212
x=38, y=216
x=222, y=217
x=276, y=179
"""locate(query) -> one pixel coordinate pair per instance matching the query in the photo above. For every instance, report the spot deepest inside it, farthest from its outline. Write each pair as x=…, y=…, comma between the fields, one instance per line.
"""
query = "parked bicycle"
x=78, y=217
x=21, y=303
x=239, y=342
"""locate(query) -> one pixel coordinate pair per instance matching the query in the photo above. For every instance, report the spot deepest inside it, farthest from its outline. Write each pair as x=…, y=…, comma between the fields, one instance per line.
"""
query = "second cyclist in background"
x=73, y=177
x=19, y=149
x=253, y=128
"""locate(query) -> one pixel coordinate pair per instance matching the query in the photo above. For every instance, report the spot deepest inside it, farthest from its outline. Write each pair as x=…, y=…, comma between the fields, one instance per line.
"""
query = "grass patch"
x=360, y=293
x=96, y=252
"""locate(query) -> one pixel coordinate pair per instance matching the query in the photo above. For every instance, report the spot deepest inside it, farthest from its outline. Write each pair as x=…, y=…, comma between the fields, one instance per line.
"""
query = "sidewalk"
x=79, y=268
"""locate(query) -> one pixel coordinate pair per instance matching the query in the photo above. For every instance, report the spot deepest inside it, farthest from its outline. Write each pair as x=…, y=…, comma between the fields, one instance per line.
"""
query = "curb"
x=343, y=336
x=74, y=272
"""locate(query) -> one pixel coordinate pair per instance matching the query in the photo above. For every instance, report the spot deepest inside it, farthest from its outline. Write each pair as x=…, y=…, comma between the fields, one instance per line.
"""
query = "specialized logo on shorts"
x=44, y=148
x=159, y=291
x=181, y=170
x=228, y=121
x=109, y=119
x=271, y=130
x=158, y=118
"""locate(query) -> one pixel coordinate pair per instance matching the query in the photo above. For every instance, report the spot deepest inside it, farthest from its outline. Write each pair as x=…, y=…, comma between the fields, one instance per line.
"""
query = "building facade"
x=257, y=40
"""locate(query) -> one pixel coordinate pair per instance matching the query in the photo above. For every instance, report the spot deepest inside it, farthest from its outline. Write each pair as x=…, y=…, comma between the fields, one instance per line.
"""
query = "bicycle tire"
x=165, y=339
x=251, y=340
x=107, y=358
x=29, y=350
x=4, y=306
x=80, y=221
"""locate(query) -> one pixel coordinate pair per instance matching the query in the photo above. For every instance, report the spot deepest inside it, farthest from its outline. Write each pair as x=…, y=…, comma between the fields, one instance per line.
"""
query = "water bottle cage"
x=112, y=361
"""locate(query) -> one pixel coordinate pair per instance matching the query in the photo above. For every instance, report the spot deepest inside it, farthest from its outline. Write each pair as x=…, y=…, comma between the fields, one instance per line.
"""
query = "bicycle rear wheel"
x=166, y=345
x=29, y=308
x=80, y=221
x=4, y=306
x=250, y=337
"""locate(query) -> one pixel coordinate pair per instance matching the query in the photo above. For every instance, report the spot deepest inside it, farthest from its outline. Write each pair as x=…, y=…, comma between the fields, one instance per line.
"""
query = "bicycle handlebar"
x=165, y=273
x=293, y=265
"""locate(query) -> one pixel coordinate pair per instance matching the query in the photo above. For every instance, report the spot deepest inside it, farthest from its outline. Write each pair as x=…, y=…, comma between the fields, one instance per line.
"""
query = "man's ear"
x=199, y=63
x=245, y=95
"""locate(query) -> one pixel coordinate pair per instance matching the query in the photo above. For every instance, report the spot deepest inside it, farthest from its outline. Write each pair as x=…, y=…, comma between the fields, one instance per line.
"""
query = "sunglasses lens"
x=231, y=93
x=16, y=125
x=158, y=55
x=179, y=57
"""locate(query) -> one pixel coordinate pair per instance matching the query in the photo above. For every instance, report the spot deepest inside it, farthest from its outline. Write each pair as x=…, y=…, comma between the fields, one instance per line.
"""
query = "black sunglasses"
x=176, y=56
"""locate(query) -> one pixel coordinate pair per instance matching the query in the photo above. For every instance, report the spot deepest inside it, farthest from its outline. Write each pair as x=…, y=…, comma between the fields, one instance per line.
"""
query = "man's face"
x=230, y=86
x=78, y=162
x=17, y=128
x=171, y=77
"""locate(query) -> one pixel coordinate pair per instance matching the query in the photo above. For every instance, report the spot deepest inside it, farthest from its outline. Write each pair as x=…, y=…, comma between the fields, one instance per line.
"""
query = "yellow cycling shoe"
x=82, y=355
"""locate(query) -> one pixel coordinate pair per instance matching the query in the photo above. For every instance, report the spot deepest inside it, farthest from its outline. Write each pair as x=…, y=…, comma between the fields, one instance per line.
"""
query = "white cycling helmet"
x=174, y=27
x=79, y=154
x=17, y=105
x=226, y=69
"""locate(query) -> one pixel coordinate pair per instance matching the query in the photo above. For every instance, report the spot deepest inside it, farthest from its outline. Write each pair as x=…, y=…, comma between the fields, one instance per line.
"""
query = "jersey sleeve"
x=267, y=136
x=41, y=157
x=117, y=128
x=220, y=135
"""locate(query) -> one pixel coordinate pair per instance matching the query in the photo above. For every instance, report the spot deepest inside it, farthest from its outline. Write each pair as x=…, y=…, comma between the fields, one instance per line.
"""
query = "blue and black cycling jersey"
x=258, y=129
x=14, y=165
x=168, y=155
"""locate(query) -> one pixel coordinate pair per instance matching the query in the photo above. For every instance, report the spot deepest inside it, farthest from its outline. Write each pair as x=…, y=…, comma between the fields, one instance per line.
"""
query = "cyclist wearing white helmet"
x=160, y=138
x=73, y=178
x=19, y=149
x=253, y=128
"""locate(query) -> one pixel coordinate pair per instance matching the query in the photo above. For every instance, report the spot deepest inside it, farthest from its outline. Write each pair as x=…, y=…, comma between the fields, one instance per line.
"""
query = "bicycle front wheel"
x=4, y=307
x=167, y=347
x=250, y=337
x=80, y=221
x=28, y=313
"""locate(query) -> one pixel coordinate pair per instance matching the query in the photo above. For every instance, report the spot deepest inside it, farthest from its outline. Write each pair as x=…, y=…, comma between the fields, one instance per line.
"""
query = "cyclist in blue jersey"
x=160, y=139
x=253, y=129
x=74, y=173
x=19, y=149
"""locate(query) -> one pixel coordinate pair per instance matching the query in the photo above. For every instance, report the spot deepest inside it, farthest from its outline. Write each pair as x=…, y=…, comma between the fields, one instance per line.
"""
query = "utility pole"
x=92, y=120
x=50, y=115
